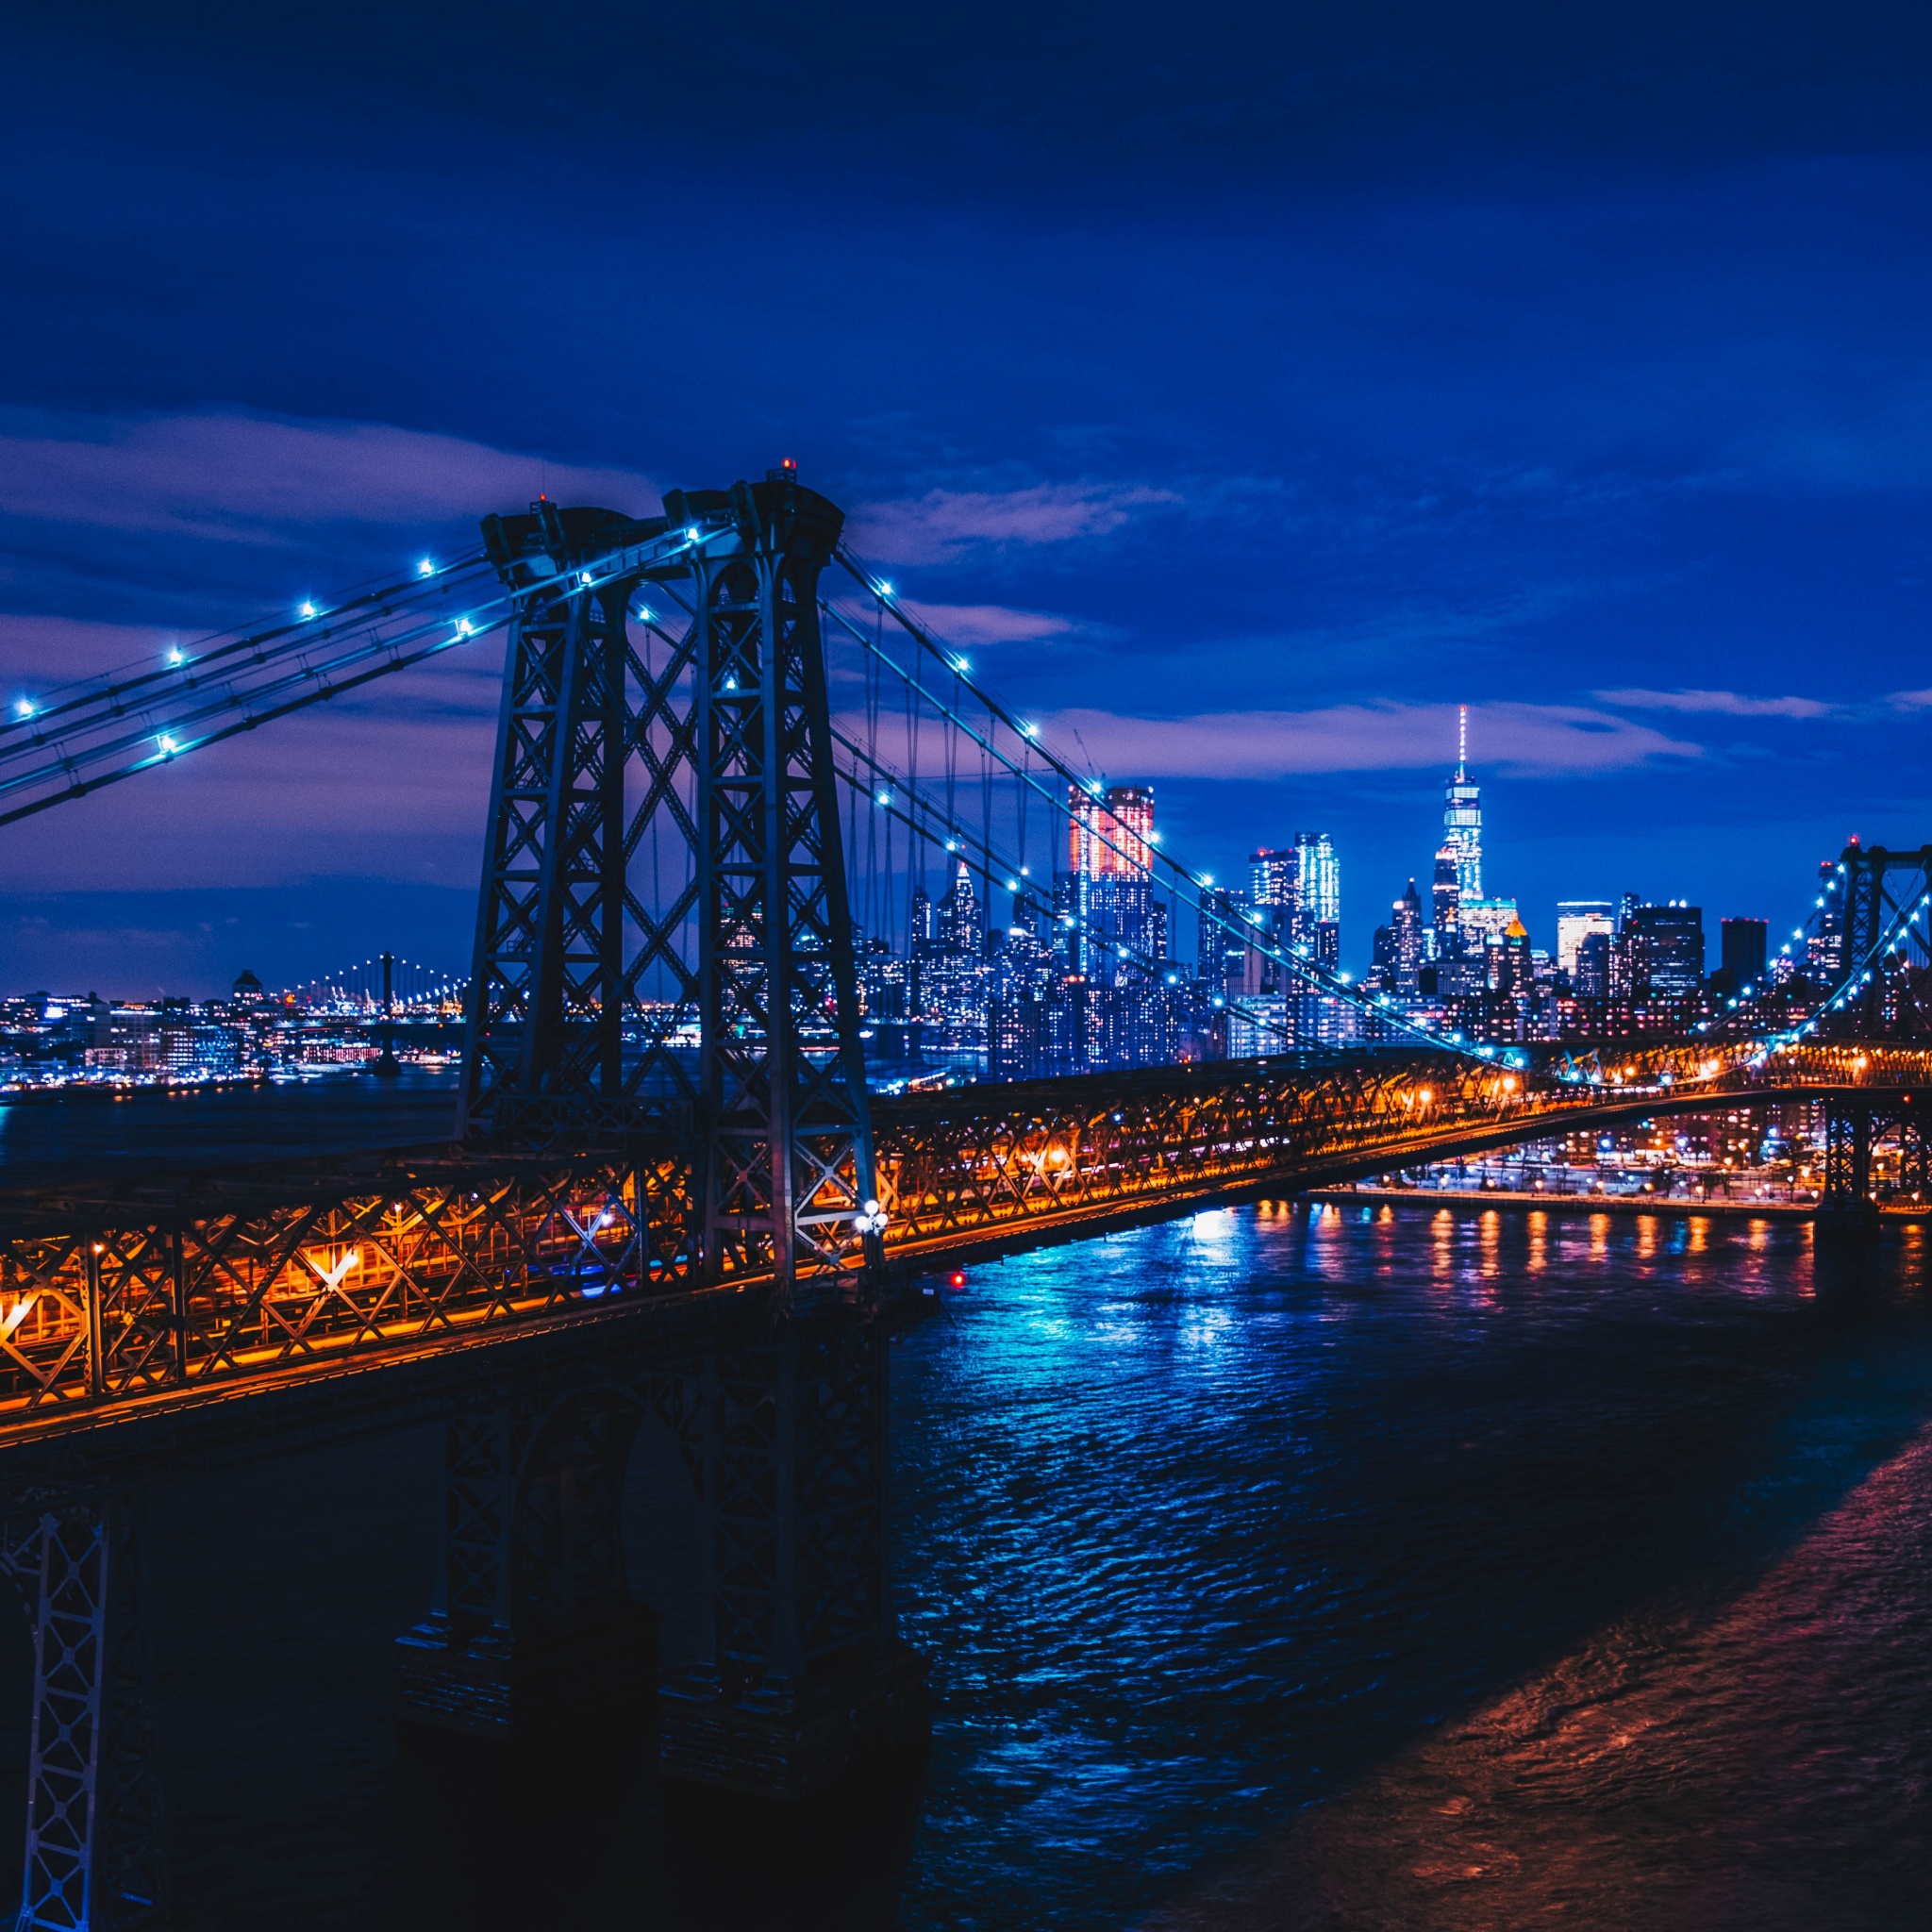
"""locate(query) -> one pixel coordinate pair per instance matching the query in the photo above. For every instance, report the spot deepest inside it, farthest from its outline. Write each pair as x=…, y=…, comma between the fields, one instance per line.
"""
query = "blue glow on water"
x=1201, y=1527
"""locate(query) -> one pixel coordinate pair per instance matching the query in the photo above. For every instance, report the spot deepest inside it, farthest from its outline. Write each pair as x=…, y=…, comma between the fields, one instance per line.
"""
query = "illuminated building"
x=1223, y=908
x=1317, y=919
x=1484, y=921
x=1590, y=975
x=1825, y=949
x=1406, y=940
x=961, y=919
x=1576, y=919
x=1664, y=951
x=1445, y=897
x=1274, y=877
x=1462, y=819
x=1109, y=837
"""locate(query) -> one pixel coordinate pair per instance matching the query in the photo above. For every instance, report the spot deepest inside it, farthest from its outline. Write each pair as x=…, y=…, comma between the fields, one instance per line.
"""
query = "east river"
x=1280, y=1567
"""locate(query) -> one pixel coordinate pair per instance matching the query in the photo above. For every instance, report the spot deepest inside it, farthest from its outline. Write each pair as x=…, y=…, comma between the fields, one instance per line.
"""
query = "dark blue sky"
x=1291, y=374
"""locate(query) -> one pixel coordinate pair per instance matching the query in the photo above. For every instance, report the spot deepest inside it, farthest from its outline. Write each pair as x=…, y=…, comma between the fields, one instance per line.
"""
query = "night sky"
x=1247, y=387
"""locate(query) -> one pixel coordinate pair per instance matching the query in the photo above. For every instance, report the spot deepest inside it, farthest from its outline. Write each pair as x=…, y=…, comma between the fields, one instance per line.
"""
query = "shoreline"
x=1591, y=1203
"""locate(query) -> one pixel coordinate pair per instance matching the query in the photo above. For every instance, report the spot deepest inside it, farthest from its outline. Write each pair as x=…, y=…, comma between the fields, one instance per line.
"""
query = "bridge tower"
x=665, y=969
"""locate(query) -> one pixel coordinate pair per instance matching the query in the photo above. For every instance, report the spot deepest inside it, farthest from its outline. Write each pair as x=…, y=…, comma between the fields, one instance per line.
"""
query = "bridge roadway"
x=175, y=1307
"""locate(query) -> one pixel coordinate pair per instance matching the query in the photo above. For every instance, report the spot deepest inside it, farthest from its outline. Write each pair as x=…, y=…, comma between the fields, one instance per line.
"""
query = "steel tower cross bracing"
x=717, y=1002
x=788, y=1157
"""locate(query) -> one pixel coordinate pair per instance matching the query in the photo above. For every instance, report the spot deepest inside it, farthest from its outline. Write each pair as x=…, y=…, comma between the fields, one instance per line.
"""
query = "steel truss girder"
x=95, y=1853
x=108, y=1307
x=115, y=1312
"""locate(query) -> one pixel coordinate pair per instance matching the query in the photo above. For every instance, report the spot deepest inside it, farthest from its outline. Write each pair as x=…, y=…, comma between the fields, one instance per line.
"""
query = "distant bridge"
x=665, y=1217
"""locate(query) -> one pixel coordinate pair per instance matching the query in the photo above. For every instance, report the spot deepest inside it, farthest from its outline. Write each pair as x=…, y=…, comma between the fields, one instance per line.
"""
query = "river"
x=1280, y=1567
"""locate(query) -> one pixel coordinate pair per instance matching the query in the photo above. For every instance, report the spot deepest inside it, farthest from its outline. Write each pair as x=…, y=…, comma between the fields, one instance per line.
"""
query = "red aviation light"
x=957, y=1278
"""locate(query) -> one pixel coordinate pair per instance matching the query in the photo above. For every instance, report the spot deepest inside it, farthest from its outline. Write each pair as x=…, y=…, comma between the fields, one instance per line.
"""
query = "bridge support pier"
x=94, y=1838
x=695, y=1546
x=1846, y=1229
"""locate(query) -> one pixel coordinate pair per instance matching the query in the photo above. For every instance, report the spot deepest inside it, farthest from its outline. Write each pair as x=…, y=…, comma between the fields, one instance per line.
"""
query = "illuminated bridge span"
x=659, y=1234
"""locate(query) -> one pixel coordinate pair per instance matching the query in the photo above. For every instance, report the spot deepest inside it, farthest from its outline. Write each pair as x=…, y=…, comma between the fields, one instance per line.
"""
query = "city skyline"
x=1225, y=461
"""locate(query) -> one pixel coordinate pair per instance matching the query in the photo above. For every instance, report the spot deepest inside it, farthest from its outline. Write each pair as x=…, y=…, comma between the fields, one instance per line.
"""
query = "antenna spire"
x=1461, y=743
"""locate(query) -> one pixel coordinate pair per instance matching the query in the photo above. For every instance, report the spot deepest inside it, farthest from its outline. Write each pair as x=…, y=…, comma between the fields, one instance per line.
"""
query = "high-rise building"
x=1109, y=837
x=1317, y=882
x=1445, y=897
x=1462, y=818
x=1742, y=945
x=1576, y=919
x=1514, y=973
x=1224, y=916
x=1272, y=877
x=1591, y=976
x=1405, y=937
x=1485, y=919
x=1382, y=957
x=961, y=918
x=1824, y=946
x=1665, y=948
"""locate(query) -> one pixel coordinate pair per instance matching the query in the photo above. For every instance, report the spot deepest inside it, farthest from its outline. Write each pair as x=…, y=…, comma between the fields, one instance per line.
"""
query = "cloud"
x=968, y=624
x=938, y=525
x=1727, y=701
x=245, y=478
x=324, y=793
x=36, y=652
x=1910, y=700
x=1523, y=740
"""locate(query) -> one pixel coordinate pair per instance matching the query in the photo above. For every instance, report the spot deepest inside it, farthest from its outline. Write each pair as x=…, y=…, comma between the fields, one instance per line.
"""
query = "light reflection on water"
x=1200, y=1525
x=1255, y=1572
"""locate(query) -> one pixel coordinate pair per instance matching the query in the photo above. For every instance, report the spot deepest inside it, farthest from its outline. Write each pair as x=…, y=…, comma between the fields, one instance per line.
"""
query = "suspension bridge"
x=737, y=789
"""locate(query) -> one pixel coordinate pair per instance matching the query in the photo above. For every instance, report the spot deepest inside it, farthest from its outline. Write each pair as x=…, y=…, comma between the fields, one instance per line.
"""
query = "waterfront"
x=1376, y=1510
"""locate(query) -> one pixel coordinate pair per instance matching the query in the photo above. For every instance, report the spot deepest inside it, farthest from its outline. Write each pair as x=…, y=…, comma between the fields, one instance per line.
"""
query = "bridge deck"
x=182, y=1291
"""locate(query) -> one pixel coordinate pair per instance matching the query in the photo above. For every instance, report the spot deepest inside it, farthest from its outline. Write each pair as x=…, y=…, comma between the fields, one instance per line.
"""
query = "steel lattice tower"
x=724, y=750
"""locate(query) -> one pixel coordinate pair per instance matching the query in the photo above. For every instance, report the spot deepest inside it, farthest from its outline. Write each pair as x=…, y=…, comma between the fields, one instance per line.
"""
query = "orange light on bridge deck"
x=332, y=1273
x=1424, y=1095
x=11, y=1317
x=1508, y=1083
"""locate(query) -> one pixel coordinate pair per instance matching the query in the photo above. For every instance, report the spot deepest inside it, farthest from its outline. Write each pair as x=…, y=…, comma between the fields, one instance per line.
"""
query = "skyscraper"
x=1446, y=903
x=1665, y=948
x=1824, y=946
x=1110, y=839
x=1272, y=877
x=1462, y=818
x=1406, y=935
x=961, y=918
x=1576, y=919
x=1742, y=949
x=1317, y=879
